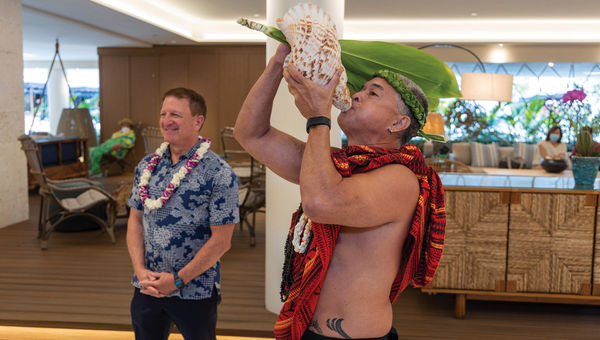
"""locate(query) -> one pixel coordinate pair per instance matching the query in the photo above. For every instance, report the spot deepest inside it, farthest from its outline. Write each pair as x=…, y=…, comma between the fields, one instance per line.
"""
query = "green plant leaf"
x=433, y=102
x=276, y=34
x=585, y=147
x=363, y=58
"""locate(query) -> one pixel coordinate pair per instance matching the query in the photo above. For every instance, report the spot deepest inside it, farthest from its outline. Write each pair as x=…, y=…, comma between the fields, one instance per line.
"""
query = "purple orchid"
x=573, y=95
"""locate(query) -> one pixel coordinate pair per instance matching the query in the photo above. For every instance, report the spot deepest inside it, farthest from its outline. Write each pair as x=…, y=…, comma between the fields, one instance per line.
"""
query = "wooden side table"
x=63, y=158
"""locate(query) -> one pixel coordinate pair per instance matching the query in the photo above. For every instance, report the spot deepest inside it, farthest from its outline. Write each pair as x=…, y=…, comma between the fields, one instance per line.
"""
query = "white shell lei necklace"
x=302, y=234
x=153, y=204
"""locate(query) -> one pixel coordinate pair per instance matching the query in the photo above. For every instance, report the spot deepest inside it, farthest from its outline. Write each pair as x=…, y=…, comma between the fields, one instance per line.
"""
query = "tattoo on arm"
x=315, y=326
x=336, y=326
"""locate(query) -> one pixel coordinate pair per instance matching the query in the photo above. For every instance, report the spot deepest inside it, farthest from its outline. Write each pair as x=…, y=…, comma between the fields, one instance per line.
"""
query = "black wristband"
x=320, y=120
x=178, y=282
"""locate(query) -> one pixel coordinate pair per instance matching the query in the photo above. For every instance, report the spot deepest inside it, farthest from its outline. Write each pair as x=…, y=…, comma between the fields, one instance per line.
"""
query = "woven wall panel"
x=551, y=243
x=597, y=259
x=475, y=248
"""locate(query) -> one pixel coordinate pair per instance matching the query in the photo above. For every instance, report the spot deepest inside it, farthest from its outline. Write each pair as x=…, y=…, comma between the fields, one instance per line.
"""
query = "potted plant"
x=586, y=152
x=585, y=158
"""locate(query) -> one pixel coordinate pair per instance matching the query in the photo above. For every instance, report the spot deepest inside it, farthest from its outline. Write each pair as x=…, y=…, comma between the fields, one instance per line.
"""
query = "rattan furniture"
x=519, y=238
x=65, y=199
x=152, y=138
x=251, y=174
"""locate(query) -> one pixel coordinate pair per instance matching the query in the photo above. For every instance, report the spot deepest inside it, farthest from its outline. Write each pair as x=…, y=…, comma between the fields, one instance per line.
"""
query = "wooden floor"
x=31, y=333
x=82, y=282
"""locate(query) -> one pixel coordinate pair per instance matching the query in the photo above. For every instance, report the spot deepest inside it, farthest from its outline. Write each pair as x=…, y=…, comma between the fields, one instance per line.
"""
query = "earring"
x=390, y=129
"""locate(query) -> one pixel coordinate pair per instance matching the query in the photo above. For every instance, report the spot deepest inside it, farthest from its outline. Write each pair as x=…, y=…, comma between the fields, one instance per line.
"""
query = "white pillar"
x=14, y=201
x=283, y=197
x=58, y=96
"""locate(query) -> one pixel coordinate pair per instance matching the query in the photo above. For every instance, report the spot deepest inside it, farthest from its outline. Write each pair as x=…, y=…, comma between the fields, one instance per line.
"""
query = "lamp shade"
x=434, y=124
x=487, y=86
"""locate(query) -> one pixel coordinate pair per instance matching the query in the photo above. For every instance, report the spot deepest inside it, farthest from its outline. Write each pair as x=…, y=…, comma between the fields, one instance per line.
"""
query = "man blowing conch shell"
x=372, y=216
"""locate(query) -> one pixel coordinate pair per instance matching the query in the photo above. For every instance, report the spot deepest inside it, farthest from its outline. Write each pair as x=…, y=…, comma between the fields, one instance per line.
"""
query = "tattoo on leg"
x=336, y=326
x=315, y=326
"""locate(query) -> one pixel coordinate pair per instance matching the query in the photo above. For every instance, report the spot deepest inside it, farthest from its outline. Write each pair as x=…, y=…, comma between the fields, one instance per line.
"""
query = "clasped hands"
x=311, y=99
x=116, y=146
x=156, y=284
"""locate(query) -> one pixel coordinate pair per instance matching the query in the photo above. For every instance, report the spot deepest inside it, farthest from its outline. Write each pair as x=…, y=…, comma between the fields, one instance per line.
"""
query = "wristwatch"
x=319, y=120
x=178, y=281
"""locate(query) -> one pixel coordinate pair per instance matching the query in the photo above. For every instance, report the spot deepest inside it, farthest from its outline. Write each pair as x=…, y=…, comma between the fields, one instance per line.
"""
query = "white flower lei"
x=302, y=234
x=158, y=203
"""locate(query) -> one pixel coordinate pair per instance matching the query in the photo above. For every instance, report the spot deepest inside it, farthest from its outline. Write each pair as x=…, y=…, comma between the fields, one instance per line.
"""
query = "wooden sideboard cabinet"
x=63, y=157
x=518, y=239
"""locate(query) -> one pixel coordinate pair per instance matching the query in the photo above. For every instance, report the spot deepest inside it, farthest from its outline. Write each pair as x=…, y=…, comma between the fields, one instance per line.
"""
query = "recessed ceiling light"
x=500, y=45
x=551, y=64
x=474, y=14
x=256, y=15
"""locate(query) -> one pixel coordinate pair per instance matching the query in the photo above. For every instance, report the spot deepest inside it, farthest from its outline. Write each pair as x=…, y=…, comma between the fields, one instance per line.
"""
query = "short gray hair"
x=414, y=126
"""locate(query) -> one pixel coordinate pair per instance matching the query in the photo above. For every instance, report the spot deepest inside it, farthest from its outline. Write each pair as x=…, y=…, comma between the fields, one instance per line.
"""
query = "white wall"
x=14, y=203
x=283, y=197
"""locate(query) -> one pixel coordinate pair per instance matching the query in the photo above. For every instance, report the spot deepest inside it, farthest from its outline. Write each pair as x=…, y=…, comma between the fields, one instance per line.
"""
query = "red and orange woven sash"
x=422, y=249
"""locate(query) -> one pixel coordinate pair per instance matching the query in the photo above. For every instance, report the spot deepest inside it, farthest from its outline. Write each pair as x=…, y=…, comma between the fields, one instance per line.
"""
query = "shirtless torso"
x=376, y=206
x=357, y=284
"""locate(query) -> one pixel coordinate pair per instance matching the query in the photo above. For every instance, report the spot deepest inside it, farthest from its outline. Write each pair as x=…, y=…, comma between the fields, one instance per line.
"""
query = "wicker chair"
x=251, y=174
x=447, y=165
x=72, y=197
x=152, y=138
x=252, y=199
x=238, y=158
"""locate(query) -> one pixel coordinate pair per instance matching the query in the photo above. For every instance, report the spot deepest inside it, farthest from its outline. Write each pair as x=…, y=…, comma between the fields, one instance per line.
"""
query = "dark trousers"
x=152, y=318
x=308, y=335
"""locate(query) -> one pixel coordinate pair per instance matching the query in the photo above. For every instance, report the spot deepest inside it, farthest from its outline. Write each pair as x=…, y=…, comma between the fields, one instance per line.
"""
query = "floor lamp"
x=433, y=125
x=482, y=86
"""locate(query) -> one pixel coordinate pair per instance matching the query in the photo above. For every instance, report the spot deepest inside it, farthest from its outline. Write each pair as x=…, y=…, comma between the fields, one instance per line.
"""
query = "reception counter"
x=519, y=236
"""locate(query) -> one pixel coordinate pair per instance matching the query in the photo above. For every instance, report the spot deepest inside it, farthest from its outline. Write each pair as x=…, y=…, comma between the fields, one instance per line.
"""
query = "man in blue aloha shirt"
x=184, y=205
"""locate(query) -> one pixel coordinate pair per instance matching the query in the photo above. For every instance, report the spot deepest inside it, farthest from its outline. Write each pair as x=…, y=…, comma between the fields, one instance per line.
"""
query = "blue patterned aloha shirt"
x=173, y=234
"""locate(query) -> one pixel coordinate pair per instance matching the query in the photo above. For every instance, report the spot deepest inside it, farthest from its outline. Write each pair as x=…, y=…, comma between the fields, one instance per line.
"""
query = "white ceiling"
x=84, y=25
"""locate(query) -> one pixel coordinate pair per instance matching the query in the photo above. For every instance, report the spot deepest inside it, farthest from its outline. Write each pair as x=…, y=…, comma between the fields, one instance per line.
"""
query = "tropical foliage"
x=527, y=120
x=468, y=121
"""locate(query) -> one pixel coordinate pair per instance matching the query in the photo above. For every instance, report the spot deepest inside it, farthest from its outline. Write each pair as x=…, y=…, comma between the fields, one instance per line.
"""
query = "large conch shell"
x=315, y=49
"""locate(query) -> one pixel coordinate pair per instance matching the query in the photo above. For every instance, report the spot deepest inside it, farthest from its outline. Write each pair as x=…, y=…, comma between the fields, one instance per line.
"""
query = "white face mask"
x=125, y=129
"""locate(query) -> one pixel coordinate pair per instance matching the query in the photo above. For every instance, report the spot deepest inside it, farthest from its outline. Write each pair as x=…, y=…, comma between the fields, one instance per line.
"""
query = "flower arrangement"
x=574, y=109
x=572, y=103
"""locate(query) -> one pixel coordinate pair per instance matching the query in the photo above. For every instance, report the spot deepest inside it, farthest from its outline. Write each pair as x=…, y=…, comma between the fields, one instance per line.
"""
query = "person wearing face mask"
x=552, y=147
x=117, y=145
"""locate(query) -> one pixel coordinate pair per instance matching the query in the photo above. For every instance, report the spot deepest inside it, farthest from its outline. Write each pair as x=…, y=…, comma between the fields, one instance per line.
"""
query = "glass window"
x=84, y=83
x=536, y=104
